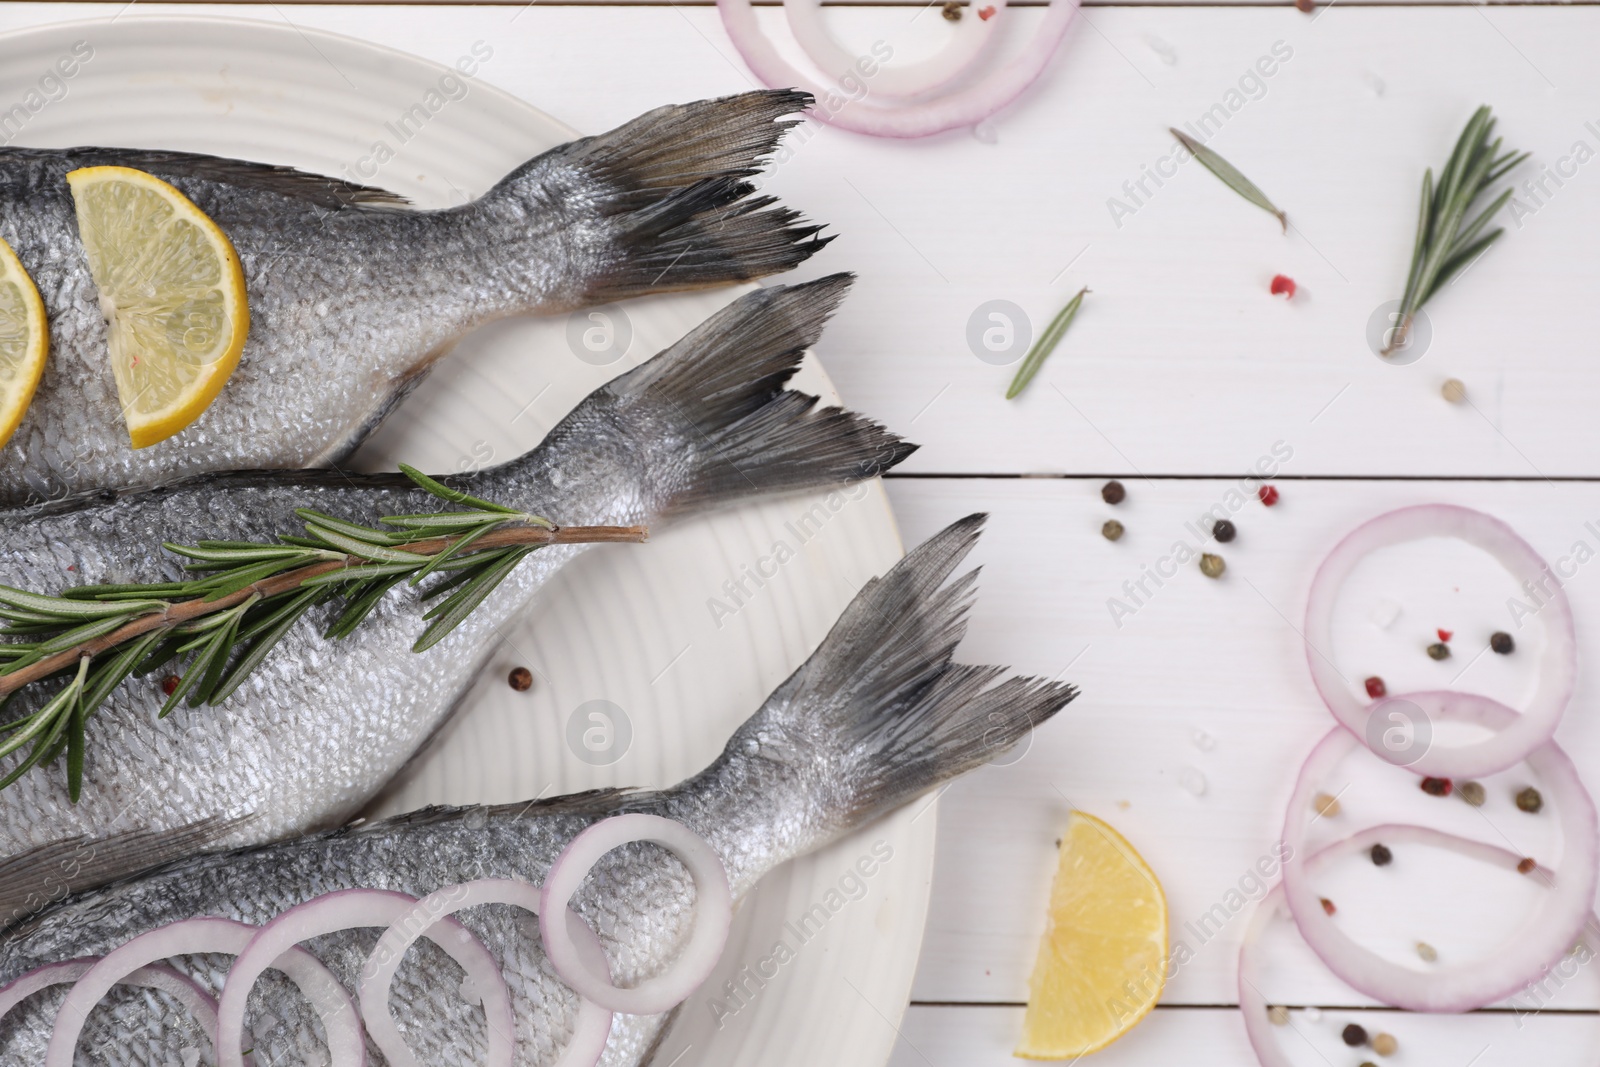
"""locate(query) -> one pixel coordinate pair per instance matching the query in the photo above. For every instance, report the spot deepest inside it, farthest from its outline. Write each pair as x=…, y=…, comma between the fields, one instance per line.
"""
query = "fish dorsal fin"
x=285, y=181
x=31, y=880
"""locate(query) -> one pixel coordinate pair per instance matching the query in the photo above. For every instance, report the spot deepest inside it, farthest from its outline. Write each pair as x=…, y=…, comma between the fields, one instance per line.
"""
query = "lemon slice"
x=1103, y=961
x=24, y=341
x=172, y=292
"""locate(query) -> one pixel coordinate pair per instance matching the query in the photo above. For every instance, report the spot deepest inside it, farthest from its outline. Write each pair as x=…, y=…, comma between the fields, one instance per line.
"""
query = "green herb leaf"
x=1230, y=175
x=1045, y=345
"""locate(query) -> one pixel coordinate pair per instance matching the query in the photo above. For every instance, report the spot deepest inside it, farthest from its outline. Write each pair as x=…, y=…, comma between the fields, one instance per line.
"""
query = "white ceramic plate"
x=630, y=628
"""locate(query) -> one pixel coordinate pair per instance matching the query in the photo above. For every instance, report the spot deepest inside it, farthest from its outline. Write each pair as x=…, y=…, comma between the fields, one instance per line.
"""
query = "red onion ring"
x=343, y=909
x=965, y=107
x=696, y=960
x=200, y=1004
x=184, y=938
x=1471, y=985
x=971, y=39
x=1559, y=665
x=590, y=1031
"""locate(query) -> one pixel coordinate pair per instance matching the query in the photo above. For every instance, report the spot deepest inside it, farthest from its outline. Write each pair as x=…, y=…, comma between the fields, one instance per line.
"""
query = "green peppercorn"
x=1501, y=642
x=1212, y=566
x=1530, y=801
x=1113, y=492
x=1438, y=650
x=1224, y=531
x=1381, y=856
x=1112, y=530
x=1472, y=793
x=951, y=11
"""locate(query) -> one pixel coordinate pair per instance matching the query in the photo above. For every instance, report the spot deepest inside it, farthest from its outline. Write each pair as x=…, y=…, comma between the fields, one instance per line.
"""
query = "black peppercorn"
x=1501, y=642
x=1224, y=531
x=1530, y=801
x=1381, y=856
x=1438, y=650
x=1354, y=1034
x=520, y=679
x=1113, y=492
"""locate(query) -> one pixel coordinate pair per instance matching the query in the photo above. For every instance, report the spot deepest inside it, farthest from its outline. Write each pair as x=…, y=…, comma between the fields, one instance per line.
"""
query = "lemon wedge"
x=24, y=341
x=1103, y=961
x=173, y=295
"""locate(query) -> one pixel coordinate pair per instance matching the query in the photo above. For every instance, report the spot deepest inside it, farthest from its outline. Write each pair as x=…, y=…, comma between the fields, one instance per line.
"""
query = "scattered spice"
x=1385, y=1044
x=1113, y=492
x=1527, y=865
x=1354, y=1035
x=1052, y=333
x=1381, y=856
x=951, y=11
x=1278, y=1015
x=1283, y=285
x=1307, y=6
x=1530, y=801
x=1472, y=793
x=1436, y=787
x=1112, y=530
x=1438, y=650
x=1376, y=688
x=1224, y=531
x=1501, y=642
x=170, y=683
x=1428, y=953
x=1230, y=176
x=1325, y=804
x=986, y=13
x=1445, y=635
x=520, y=679
x=1268, y=494
x=1453, y=391
x=1327, y=906
x=1212, y=566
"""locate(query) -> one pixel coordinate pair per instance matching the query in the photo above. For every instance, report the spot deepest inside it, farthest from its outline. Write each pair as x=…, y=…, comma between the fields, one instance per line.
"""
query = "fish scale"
x=353, y=299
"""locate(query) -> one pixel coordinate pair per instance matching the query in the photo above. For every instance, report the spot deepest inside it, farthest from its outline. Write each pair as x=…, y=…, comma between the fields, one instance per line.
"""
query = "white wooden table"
x=1179, y=375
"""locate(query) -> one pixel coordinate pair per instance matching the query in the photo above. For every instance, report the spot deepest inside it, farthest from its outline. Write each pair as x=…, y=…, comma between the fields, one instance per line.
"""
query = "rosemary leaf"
x=79, y=634
x=1045, y=345
x=454, y=551
x=454, y=496
x=471, y=595
x=364, y=549
x=64, y=608
x=1230, y=175
x=282, y=621
x=361, y=605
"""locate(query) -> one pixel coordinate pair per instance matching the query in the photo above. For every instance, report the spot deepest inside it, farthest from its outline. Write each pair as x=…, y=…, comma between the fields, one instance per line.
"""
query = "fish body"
x=878, y=715
x=322, y=725
x=353, y=298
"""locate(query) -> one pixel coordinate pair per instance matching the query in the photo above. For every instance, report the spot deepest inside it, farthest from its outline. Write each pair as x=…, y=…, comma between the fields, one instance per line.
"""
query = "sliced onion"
x=590, y=1030
x=1558, y=666
x=186, y=938
x=344, y=909
x=964, y=107
x=971, y=38
x=1473, y=984
x=200, y=1004
x=712, y=918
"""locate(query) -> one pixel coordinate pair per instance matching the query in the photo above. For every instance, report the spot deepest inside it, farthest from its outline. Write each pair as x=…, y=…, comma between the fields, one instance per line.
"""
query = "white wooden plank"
x=1181, y=361
x=1220, y=657
x=984, y=1037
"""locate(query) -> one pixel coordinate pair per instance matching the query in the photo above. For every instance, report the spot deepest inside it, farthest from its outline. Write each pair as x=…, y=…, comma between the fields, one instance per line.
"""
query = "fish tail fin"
x=717, y=400
x=676, y=209
x=880, y=714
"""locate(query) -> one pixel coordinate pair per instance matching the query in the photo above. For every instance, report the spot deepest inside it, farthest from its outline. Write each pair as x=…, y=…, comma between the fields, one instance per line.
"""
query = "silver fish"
x=322, y=725
x=878, y=715
x=352, y=299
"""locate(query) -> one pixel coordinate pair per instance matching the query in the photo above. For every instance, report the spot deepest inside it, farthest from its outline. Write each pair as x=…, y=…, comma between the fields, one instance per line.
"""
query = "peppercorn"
x=1453, y=390
x=1376, y=688
x=1436, y=787
x=1327, y=906
x=169, y=684
x=1307, y=6
x=952, y=10
x=1224, y=531
x=1530, y=801
x=1526, y=865
x=1427, y=952
x=1268, y=494
x=1112, y=530
x=1385, y=1044
x=1354, y=1035
x=1113, y=492
x=1325, y=804
x=1278, y=1015
x=1438, y=650
x=520, y=679
x=1212, y=566
x=1472, y=793
x=1381, y=856
x=1501, y=642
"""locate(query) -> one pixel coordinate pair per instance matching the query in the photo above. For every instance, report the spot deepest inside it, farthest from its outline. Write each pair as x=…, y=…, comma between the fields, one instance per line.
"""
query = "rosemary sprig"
x=1230, y=175
x=219, y=625
x=1443, y=245
x=1045, y=345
